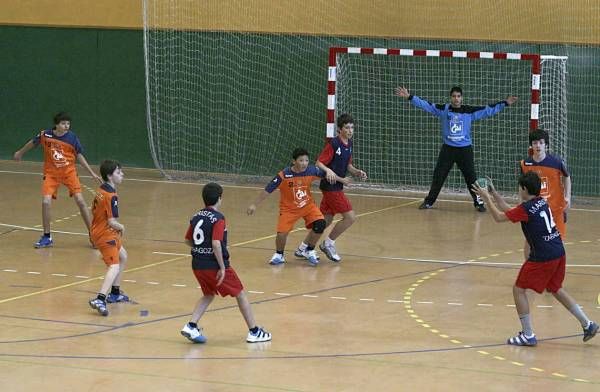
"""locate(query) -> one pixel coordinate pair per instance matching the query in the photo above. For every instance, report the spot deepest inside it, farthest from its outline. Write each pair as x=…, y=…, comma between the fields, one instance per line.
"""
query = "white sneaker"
x=260, y=336
x=330, y=252
x=193, y=334
x=277, y=259
x=303, y=254
x=312, y=258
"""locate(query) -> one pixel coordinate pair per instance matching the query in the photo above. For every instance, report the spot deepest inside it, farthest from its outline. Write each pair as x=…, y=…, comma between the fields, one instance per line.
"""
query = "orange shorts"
x=51, y=182
x=110, y=249
x=310, y=213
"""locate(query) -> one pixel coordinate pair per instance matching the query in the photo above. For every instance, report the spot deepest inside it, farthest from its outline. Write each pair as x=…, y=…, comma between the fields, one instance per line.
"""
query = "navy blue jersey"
x=337, y=156
x=456, y=122
x=539, y=229
x=206, y=226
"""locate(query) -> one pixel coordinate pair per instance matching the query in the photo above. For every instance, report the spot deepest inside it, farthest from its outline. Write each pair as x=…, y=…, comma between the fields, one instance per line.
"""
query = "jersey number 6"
x=198, y=233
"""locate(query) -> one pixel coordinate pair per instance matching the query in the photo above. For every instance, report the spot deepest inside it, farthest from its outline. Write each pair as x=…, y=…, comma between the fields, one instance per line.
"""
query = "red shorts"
x=51, y=183
x=540, y=276
x=110, y=250
x=231, y=284
x=335, y=202
x=286, y=221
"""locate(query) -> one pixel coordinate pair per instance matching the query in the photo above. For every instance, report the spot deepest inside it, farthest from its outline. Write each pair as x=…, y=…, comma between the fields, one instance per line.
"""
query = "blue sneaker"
x=193, y=334
x=590, y=331
x=121, y=297
x=522, y=340
x=277, y=259
x=312, y=258
x=44, y=242
x=99, y=305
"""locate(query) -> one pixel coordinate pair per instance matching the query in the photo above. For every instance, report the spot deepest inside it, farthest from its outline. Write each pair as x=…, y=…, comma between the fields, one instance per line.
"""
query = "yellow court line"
x=85, y=281
x=179, y=257
x=268, y=237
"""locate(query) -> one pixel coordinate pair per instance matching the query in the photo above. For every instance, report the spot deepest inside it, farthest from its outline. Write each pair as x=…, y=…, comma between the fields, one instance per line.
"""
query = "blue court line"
x=54, y=321
x=276, y=357
x=131, y=324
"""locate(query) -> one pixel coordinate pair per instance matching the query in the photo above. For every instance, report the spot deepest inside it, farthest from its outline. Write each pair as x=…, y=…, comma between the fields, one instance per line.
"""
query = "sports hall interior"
x=422, y=300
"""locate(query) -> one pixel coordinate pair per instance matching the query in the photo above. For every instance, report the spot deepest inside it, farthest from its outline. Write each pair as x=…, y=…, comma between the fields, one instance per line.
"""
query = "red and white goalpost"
x=398, y=144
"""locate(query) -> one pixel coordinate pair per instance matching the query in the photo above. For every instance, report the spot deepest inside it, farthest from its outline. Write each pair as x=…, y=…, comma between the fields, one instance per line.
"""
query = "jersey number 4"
x=198, y=233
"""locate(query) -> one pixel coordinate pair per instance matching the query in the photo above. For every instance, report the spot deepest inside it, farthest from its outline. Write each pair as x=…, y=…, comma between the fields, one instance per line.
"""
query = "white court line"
x=425, y=260
x=261, y=187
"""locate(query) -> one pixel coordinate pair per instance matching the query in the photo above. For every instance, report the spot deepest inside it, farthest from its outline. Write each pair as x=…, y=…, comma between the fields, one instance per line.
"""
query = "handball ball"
x=482, y=182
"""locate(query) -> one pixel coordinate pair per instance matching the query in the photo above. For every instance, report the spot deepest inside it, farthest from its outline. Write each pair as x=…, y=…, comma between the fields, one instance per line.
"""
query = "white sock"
x=303, y=246
x=329, y=241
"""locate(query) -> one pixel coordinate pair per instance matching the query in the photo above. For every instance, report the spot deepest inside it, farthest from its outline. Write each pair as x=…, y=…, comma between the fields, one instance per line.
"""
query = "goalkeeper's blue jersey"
x=456, y=122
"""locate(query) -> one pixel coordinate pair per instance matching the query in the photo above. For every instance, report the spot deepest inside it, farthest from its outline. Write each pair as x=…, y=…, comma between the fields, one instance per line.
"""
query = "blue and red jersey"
x=207, y=225
x=60, y=152
x=539, y=229
x=336, y=155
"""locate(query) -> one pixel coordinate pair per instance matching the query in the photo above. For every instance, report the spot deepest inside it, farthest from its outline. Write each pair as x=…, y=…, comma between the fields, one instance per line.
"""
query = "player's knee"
x=319, y=226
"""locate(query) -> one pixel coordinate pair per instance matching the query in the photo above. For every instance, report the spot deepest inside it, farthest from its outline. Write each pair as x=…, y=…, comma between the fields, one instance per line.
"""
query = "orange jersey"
x=295, y=187
x=105, y=206
x=60, y=152
x=550, y=170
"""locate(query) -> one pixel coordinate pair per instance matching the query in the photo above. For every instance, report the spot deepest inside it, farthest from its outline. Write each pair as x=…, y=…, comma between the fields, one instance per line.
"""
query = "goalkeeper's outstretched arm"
x=436, y=110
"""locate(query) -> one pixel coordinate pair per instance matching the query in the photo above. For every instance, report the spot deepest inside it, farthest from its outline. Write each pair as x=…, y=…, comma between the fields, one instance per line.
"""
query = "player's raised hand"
x=18, y=155
x=511, y=99
x=251, y=209
x=482, y=192
x=402, y=92
x=490, y=185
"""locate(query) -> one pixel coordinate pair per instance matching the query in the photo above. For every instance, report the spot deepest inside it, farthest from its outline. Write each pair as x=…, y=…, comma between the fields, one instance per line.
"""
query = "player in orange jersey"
x=556, y=181
x=296, y=202
x=61, y=149
x=106, y=233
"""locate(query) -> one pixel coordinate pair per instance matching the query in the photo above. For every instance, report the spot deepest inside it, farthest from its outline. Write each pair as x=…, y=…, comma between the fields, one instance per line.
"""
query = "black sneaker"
x=425, y=206
x=480, y=207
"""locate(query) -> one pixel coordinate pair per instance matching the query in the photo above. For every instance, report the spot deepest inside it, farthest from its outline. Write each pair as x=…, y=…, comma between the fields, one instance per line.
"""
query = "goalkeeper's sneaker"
x=425, y=206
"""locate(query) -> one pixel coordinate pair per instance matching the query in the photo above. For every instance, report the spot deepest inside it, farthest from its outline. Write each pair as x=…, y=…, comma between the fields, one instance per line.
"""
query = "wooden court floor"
x=422, y=300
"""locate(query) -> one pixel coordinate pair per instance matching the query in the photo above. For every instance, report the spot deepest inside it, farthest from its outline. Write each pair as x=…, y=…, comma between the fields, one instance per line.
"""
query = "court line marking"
x=49, y=290
x=408, y=308
x=259, y=187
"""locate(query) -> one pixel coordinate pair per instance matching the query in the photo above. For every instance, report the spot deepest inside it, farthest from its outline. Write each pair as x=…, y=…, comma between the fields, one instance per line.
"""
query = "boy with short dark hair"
x=61, y=149
x=336, y=160
x=296, y=202
x=544, y=269
x=207, y=236
x=106, y=233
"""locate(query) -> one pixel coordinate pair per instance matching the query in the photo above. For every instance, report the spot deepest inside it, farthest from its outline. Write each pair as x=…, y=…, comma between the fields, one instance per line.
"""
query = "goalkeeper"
x=457, y=147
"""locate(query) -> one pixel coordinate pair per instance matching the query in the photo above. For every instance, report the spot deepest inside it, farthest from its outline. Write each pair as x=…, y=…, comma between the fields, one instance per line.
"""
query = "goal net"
x=397, y=144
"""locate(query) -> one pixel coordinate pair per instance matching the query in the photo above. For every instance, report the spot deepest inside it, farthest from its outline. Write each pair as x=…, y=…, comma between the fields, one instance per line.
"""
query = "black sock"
x=102, y=297
x=254, y=330
x=47, y=234
x=193, y=325
x=115, y=290
x=279, y=252
x=309, y=248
